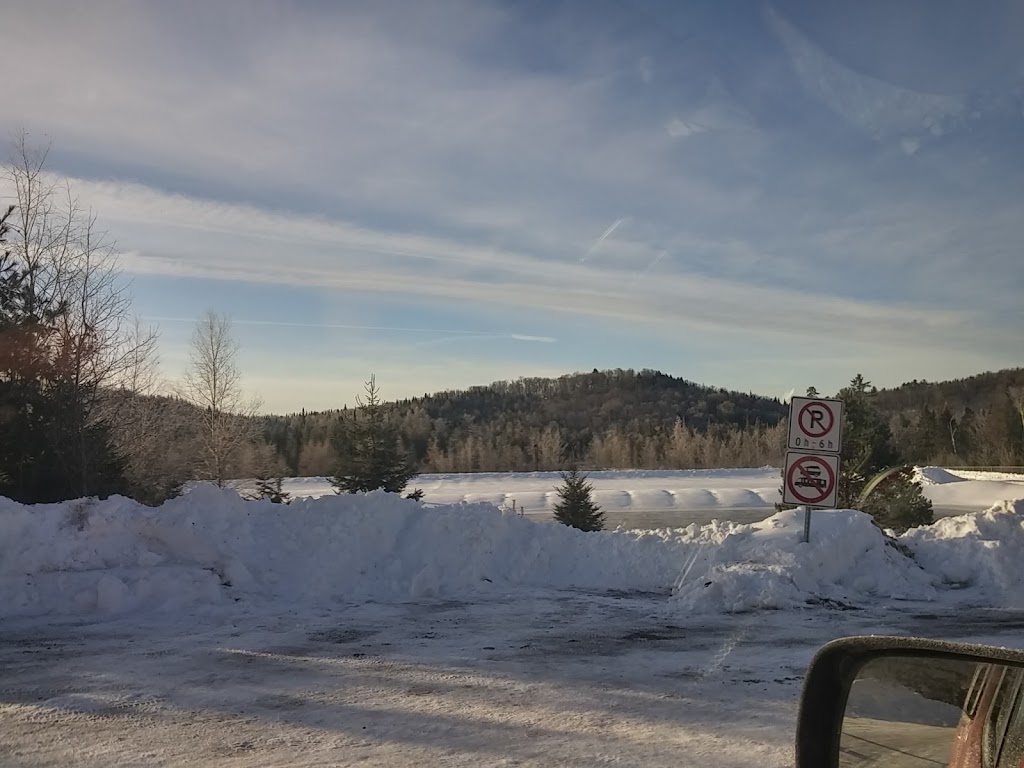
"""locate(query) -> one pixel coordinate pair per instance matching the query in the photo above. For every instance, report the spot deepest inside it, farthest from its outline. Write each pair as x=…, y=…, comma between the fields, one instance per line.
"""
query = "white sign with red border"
x=811, y=480
x=816, y=425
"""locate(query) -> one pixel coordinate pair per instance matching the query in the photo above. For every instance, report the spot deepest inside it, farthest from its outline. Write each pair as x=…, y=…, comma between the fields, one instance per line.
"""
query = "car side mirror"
x=909, y=703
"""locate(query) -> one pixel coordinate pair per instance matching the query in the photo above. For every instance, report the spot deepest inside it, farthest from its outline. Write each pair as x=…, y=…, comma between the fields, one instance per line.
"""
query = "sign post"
x=811, y=477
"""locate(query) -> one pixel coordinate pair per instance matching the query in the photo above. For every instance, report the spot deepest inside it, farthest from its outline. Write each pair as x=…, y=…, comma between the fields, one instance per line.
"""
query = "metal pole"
x=807, y=525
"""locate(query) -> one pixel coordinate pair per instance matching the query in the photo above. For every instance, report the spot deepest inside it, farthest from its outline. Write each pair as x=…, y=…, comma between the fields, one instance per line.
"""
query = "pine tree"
x=575, y=507
x=867, y=442
x=39, y=460
x=368, y=449
x=270, y=488
x=897, y=501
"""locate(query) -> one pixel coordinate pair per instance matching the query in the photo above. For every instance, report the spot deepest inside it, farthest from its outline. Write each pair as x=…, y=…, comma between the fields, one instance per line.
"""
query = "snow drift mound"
x=982, y=550
x=211, y=546
x=765, y=565
x=935, y=476
x=968, y=490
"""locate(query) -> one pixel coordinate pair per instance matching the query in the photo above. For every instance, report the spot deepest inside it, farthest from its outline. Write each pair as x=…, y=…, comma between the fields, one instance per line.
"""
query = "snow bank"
x=935, y=476
x=765, y=565
x=636, y=490
x=887, y=700
x=966, y=489
x=982, y=550
x=668, y=491
x=985, y=474
x=211, y=546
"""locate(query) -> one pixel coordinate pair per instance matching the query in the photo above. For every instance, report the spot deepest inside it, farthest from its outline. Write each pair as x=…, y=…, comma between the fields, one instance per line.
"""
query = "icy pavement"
x=529, y=678
x=371, y=630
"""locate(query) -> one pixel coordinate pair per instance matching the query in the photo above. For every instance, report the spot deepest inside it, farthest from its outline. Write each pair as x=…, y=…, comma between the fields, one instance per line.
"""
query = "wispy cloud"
x=878, y=108
x=351, y=327
x=326, y=254
x=487, y=337
x=465, y=154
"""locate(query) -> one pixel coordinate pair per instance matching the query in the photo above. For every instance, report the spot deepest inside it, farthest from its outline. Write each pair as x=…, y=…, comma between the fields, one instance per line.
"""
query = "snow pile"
x=969, y=490
x=935, y=476
x=982, y=550
x=765, y=565
x=991, y=475
x=880, y=699
x=211, y=546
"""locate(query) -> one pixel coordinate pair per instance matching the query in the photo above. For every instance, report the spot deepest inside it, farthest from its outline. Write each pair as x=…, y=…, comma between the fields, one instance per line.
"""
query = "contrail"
x=597, y=243
x=649, y=267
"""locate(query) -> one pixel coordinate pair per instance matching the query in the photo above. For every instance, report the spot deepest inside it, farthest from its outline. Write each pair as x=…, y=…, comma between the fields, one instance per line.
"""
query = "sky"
x=759, y=196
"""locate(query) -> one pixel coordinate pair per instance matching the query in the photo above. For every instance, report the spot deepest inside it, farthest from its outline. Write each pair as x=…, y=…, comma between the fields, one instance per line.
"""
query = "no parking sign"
x=816, y=425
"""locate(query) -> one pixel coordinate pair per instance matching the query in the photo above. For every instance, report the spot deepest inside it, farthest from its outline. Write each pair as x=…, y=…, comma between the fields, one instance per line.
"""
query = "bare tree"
x=155, y=443
x=213, y=384
x=69, y=263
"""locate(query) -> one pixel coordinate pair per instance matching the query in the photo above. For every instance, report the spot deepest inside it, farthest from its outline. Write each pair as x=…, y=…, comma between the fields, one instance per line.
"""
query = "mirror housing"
x=835, y=667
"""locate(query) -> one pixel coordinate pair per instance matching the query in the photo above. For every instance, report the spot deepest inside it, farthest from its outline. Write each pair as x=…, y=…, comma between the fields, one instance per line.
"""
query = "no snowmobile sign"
x=810, y=479
x=815, y=425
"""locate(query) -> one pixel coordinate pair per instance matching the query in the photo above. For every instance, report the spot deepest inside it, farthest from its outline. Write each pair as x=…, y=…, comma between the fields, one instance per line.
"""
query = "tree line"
x=611, y=419
x=625, y=419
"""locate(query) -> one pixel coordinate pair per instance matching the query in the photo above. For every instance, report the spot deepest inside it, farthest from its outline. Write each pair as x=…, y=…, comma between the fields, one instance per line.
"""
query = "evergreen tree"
x=575, y=507
x=368, y=450
x=867, y=441
x=897, y=501
x=55, y=332
x=270, y=488
x=49, y=453
x=927, y=440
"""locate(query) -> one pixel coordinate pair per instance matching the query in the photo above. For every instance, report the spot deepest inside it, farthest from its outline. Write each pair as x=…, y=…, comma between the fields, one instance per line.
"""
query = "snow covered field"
x=660, y=498
x=373, y=630
x=647, y=490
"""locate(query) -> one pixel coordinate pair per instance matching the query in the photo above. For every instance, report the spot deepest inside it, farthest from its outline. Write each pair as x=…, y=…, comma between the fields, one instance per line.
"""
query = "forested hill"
x=974, y=392
x=594, y=402
x=647, y=419
x=601, y=416
x=978, y=420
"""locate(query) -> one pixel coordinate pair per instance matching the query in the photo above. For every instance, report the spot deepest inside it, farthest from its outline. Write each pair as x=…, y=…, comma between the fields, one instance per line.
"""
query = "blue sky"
x=760, y=196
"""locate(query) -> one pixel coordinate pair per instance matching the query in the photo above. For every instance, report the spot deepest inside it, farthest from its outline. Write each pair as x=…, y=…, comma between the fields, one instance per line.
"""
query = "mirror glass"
x=918, y=711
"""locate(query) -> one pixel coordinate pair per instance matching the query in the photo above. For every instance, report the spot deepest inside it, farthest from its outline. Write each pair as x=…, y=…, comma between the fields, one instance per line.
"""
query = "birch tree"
x=213, y=384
